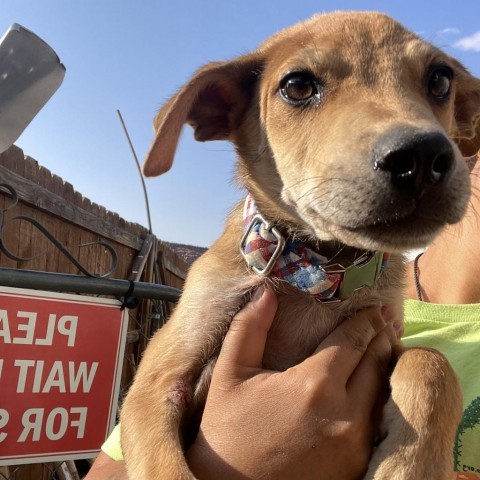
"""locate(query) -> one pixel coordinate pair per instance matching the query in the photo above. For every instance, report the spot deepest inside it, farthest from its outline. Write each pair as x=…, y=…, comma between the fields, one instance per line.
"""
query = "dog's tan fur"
x=310, y=171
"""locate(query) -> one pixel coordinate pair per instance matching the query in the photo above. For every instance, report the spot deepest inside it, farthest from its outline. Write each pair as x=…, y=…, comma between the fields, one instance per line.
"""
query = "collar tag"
x=361, y=273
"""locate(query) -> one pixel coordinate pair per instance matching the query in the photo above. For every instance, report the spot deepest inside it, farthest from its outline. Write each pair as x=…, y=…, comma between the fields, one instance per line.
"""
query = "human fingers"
x=341, y=352
x=244, y=343
x=370, y=375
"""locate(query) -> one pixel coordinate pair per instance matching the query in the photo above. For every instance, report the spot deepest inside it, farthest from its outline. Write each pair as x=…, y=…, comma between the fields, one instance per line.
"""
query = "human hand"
x=311, y=421
x=106, y=468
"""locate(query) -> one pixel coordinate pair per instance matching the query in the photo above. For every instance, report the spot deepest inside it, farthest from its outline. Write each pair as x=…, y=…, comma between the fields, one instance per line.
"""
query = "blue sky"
x=132, y=56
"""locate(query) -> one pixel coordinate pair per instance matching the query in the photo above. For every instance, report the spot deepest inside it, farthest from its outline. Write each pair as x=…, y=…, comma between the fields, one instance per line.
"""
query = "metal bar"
x=141, y=260
x=145, y=194
x=61, y=282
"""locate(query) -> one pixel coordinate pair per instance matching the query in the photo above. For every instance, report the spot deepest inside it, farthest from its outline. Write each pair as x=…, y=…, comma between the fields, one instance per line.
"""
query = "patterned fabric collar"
x=267, y=252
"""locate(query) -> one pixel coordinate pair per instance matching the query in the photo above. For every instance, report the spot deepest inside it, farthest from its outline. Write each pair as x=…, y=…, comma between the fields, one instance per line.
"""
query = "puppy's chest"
x=302, y=323
x=298, y=328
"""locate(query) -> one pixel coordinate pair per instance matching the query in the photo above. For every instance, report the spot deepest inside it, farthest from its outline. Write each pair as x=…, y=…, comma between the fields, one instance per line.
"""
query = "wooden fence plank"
x=33, y=194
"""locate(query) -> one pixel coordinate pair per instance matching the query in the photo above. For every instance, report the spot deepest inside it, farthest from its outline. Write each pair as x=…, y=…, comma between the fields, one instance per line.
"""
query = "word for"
x=53, y=424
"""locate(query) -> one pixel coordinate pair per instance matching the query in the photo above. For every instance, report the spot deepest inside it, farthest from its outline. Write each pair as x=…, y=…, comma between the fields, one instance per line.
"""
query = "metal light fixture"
x=30, y=73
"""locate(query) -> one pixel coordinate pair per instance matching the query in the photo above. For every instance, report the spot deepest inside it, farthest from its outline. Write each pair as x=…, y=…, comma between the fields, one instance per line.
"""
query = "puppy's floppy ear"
x=467, y=112
x=212, y=102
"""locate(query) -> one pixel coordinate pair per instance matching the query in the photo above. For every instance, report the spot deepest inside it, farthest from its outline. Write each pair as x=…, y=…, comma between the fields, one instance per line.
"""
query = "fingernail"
x=258, y=293
x=391, y=333
x=398, y=327
x=388, y=312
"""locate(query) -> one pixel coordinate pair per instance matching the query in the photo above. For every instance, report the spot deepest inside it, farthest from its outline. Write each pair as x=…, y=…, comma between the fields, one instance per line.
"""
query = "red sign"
x=60, y=366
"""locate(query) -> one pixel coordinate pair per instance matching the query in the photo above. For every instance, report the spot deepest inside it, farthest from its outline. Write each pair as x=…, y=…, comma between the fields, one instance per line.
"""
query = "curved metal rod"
x=12, y=192
x=49, y=236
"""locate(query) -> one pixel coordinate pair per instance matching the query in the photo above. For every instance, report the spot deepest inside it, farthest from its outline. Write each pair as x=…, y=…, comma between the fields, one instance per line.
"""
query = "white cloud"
x=469, y=43
x=449, y=31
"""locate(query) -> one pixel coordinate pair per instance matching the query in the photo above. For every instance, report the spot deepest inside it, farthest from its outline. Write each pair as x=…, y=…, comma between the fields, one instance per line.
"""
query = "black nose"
x=415, y=160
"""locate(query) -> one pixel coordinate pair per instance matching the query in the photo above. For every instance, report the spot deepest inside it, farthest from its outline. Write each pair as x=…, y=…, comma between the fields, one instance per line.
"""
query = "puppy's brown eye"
x=439, y=82
x=299, y=87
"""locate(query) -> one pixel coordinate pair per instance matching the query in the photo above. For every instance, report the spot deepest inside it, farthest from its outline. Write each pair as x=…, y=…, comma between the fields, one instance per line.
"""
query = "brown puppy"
x=350, y=132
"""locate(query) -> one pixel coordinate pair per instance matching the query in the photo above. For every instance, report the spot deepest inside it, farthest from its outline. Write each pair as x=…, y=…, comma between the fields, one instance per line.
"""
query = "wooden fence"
x=76, y=221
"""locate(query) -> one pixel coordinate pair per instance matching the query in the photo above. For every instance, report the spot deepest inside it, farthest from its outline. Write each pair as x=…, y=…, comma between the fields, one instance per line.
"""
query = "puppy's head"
x=347, y=126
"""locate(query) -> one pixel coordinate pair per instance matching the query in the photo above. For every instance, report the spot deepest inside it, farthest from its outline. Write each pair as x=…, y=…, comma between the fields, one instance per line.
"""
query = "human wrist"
x=206, y=464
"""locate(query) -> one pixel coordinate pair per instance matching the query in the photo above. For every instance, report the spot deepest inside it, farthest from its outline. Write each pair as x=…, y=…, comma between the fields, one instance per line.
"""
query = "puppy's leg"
x=420, y=420
x=153, y=409
x=164, y=387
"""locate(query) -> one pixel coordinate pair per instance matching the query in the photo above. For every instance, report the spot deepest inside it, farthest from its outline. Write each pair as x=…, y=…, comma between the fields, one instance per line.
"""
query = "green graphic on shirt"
x=470, y=421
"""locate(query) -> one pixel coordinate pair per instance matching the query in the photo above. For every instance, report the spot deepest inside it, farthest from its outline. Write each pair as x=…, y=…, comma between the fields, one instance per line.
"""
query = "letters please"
x=39, y=376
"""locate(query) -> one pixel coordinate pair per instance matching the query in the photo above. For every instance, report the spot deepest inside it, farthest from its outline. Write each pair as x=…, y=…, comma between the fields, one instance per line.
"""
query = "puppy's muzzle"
x=416, y=161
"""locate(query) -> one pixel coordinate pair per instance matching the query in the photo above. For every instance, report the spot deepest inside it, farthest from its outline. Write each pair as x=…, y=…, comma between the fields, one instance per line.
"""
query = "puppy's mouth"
x=398, y=230
x=376, y=215
x=412, y=215
x=401, y=231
